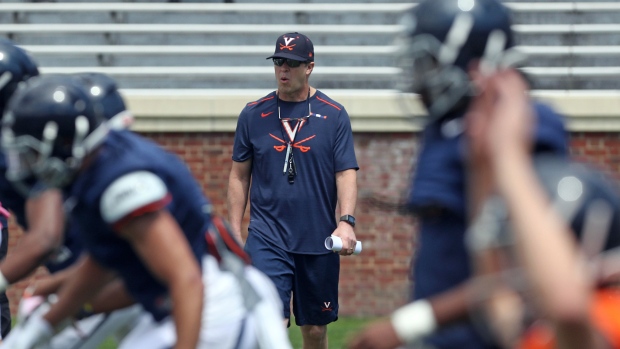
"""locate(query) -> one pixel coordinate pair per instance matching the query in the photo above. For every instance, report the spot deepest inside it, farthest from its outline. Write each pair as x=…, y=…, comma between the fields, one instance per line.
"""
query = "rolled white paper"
x=334, y=243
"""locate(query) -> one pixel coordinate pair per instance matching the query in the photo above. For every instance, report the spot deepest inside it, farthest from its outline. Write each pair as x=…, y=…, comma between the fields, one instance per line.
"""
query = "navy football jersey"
x=298, y=216
x=438, y=196
x=14, y=201
x=131, y=175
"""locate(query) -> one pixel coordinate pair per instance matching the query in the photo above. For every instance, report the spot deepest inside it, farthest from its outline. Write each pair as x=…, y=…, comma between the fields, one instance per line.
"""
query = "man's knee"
x=314, y=332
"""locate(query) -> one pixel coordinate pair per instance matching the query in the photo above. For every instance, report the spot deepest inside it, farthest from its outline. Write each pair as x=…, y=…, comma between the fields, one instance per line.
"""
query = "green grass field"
x=339, y=332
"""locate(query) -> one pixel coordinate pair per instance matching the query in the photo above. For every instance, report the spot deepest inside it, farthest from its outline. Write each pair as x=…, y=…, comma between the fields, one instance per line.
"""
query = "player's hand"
x=27, y=306
x=378, y=335
x=29, y=334
x=345, y=232
x=500, y=118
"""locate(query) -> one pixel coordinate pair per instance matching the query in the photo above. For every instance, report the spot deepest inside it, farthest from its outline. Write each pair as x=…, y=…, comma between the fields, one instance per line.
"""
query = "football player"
x=91, y=329
x=133, y=203
x=565, y=224
x=15, y=66
x=446, y=45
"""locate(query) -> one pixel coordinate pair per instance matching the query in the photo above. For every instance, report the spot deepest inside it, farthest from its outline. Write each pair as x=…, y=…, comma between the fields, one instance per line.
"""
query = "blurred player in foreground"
x=133, y=204
x=565, y=223
x=447, y=43
x=91, y=329
x=16, y=66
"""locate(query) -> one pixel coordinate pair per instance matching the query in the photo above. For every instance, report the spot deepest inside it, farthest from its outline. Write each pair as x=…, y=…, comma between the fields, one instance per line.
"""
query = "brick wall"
x=376, y=281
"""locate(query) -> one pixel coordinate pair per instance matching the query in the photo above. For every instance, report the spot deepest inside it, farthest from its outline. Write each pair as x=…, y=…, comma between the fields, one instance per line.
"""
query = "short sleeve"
x=344, y=152
x=131, y=195
x=242, y=148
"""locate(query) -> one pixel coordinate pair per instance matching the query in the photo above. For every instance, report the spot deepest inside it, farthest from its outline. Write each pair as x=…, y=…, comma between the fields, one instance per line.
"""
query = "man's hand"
x=378, y=335
x=345, y=232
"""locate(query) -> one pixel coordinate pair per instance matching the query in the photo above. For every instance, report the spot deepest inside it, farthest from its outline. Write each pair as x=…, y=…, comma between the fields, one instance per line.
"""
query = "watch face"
x=349, y=219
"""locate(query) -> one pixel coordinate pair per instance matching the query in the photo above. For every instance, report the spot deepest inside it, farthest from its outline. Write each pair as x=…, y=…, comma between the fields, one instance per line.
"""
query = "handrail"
x=598, y=72
x=350, y=73
x=43, y=28
x=585, y=50
x=200, y=49
x=245, y=73
x=203, y=7
x=373, y=50
x=280, y=8
x=271, y=28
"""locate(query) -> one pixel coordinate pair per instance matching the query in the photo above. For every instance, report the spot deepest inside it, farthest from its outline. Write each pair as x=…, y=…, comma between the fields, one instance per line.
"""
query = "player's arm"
x=238, y=191
x=346, y=184
x=39, y=326
x=45, y=218
x=86, y=281
x=51, y=283
x=113, y=296
x=544, y=244
x=157, y=234
x=135, y=205
x=416, y=320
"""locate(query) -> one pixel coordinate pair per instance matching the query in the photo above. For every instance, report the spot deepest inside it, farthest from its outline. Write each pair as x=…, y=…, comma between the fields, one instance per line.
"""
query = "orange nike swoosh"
x=265, y=114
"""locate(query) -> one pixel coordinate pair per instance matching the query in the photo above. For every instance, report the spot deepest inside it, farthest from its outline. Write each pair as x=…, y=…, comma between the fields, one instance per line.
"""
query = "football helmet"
x=15, y=66
x=48, y=127
x=441, y=39
x=586, y=199
x=104, y=93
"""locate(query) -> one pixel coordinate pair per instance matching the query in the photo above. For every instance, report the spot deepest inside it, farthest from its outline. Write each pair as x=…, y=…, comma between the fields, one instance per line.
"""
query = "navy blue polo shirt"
x=298, y=216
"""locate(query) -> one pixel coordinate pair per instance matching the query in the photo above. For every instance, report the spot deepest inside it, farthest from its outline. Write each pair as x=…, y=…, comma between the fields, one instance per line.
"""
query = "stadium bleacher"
x=218, y=46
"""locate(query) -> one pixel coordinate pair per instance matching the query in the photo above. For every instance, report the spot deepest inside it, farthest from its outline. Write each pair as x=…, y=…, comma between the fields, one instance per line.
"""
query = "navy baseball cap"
x=294, y=46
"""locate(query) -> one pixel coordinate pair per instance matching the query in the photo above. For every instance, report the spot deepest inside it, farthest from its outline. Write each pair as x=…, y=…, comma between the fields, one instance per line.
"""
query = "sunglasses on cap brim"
x=290, y=62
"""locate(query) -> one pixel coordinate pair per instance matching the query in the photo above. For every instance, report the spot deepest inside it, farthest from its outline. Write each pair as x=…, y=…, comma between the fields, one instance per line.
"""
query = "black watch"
x=349, y=219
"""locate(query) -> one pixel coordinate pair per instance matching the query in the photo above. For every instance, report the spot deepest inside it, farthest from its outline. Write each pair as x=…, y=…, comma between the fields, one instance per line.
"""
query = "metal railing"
x=292, y=7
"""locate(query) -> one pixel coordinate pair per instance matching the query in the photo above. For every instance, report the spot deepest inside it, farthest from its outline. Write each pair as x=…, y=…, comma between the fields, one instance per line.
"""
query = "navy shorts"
x=313, y=280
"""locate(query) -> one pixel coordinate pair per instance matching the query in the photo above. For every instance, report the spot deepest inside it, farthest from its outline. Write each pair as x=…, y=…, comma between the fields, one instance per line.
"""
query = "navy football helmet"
x=15, y=66
x=104, y=93
x=49, y=126
x=441, y=39
x=586, y=198
x=588, y=202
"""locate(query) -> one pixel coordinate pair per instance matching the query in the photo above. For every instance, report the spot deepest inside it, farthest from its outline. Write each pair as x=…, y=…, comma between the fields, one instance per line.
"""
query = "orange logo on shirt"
x=280, y=148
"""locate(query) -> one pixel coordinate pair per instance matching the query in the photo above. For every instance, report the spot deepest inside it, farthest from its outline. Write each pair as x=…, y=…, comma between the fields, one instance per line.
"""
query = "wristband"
x=4, y=283
x=414, y=321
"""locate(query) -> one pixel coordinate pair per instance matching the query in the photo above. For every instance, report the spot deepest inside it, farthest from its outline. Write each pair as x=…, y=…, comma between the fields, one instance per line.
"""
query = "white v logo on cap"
x=288, y=40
